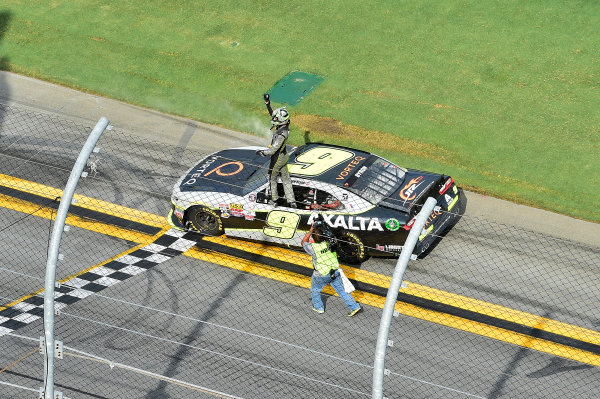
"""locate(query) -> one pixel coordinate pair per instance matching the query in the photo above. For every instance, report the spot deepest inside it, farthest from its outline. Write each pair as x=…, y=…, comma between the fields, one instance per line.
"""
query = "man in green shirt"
x=326, y=269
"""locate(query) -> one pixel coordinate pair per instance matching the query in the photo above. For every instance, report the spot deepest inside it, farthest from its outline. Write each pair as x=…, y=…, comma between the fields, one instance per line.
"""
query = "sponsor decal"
x=350, y=167
x=179, y=213
x=249, y=215
x=392, y=224
x=431, y=218
x=236, y=210
x=344, y=197
x=252, y=197
x=201, y=169
x=361, y=171
x=409, y=225
x=300, y=182
x=224, y=207
x=349, y=222
x=408, y=191
x=225, y=215
x=389, y=248
x=448, y=199
x=237, y=168
x=447, y=184
x=394, y=248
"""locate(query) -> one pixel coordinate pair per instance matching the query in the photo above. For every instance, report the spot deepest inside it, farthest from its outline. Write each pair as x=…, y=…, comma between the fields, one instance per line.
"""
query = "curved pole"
x=53, y=247
x=392, y=296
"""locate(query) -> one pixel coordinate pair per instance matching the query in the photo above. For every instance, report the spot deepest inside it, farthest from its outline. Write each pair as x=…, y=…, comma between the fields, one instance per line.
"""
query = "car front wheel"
x=350, y=248
x=205, y=221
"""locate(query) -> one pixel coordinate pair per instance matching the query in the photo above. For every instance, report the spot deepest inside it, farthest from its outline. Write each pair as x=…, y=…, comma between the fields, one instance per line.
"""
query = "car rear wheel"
x=350, y=248
x=205, y=220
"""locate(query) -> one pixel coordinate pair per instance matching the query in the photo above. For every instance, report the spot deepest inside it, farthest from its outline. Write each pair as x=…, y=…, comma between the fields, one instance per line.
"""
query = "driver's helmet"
x=281, y=116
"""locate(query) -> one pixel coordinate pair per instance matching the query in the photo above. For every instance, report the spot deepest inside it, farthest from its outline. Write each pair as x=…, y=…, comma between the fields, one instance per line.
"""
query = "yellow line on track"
x=282, y=254
x=87, y=224
x=93, y=204
x=504, y=313
x=500, y=334
x=448, y=298
x=366, y=298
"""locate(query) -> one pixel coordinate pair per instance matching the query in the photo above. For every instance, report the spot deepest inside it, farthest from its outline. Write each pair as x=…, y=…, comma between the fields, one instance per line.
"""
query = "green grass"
x=510, y=88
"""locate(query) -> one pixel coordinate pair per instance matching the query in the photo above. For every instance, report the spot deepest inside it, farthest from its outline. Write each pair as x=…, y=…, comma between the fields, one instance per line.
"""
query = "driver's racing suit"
x=279, y=160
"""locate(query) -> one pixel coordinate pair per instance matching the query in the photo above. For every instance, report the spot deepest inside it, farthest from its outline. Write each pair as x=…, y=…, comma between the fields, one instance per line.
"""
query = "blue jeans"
x=318, y=282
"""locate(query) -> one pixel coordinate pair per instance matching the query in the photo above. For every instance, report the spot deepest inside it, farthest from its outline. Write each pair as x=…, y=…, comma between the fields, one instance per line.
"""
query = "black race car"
x=368, y=203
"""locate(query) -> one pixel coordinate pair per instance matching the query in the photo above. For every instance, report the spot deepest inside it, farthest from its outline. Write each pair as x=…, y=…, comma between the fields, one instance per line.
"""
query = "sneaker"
x=319, y=310
x=355, y=312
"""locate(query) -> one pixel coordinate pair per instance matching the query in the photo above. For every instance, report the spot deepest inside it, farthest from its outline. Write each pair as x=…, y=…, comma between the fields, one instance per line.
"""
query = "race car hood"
x=416, y=184
x=224, y=171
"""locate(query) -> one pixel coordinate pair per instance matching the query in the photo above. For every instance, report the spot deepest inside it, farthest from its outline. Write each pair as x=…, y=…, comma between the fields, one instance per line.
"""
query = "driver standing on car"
x=280, y=120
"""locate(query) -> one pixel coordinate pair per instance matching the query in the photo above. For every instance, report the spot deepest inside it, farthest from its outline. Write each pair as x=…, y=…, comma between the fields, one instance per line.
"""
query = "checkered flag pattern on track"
x=168, y=245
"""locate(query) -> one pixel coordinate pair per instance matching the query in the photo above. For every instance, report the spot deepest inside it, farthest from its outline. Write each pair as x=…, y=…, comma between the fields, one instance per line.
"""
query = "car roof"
x=335, y=164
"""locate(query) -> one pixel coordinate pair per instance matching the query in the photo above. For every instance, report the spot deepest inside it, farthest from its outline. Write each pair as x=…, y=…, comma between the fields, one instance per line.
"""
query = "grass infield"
x=502, y=95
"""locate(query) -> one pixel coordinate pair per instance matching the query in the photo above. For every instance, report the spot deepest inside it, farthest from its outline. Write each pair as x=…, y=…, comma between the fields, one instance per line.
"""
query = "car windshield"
x=379, y=180
x=257, y=178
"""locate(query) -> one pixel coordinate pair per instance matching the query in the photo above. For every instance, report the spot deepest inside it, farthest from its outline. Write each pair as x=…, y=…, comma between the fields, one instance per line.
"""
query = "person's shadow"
x=307, y=139
x=4, y=66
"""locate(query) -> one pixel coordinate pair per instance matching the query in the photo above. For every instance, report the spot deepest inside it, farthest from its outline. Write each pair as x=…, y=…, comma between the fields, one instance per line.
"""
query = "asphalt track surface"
x=428, y=360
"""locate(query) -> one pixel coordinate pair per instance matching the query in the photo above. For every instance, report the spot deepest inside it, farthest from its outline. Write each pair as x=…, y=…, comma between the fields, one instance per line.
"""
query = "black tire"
x=205, y=221
x=351, y=249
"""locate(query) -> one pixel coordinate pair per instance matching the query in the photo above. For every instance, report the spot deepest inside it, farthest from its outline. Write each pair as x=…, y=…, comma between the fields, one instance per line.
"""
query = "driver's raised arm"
x=267, y=99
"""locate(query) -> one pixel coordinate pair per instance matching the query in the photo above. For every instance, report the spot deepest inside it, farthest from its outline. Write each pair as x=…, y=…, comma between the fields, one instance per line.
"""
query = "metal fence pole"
x=392, y=296
x=53, y=247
